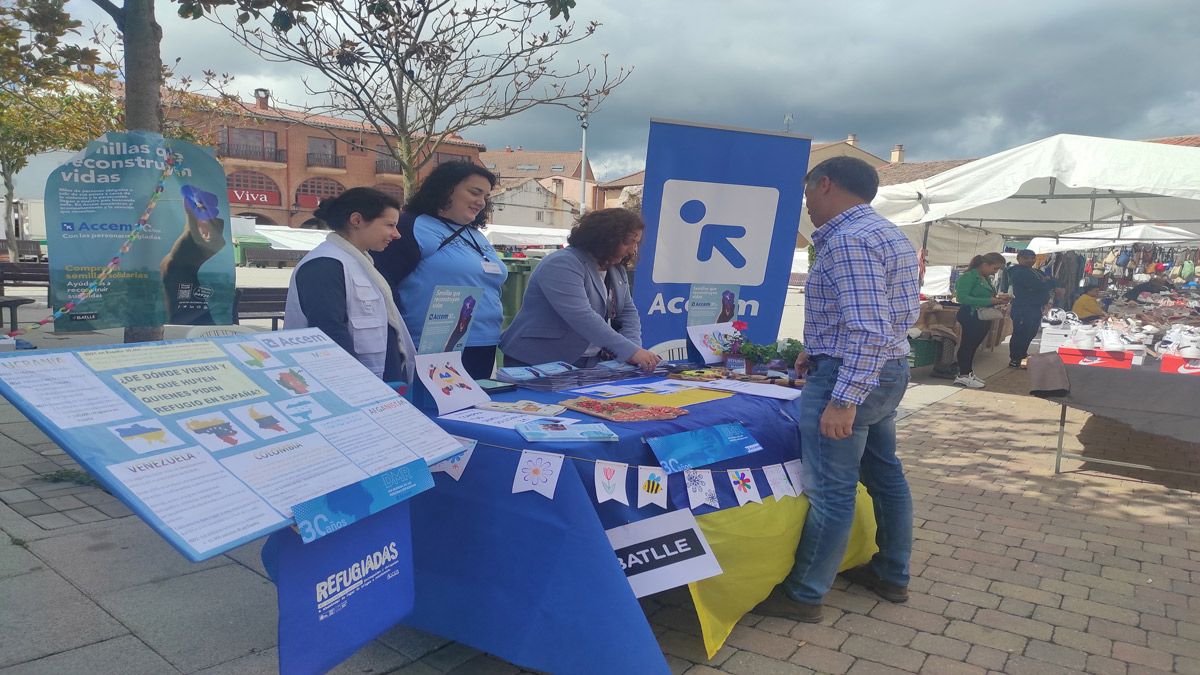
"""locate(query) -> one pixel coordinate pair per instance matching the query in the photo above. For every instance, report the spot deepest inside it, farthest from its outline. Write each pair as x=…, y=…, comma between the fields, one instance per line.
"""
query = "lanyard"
x=459, y=232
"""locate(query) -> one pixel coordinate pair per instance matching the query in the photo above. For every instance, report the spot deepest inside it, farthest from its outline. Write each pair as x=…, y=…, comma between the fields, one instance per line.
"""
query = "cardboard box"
x=1096, y=357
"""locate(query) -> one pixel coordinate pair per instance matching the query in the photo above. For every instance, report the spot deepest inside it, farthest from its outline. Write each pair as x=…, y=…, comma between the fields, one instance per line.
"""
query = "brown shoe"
x=866, y=577
x=778, y=604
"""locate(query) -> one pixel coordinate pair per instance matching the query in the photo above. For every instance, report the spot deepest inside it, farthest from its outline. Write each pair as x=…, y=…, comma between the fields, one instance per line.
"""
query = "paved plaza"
x=1015, y=570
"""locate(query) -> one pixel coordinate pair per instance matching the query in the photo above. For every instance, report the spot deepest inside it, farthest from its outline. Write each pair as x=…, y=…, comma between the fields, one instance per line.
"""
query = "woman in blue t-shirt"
x=440, y=245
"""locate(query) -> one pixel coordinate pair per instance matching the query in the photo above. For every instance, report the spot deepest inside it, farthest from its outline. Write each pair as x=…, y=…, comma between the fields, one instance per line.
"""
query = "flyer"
x=701, y=447
x=179, y=267
x=214, y=444
x=711, y=340
x=448, y=382
x=449, y=319
x=712, y=303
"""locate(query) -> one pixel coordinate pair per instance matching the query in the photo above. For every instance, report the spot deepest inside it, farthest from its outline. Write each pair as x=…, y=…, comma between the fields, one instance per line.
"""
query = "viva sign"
x=263, y=197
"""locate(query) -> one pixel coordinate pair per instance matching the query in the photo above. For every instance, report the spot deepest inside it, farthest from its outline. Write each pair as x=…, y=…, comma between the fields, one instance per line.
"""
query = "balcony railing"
x=328, y=161
x=256, y=152
x=388, y=166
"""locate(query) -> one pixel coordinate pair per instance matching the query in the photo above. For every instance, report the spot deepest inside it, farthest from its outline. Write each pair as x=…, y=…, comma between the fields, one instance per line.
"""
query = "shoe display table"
x=1143, y=397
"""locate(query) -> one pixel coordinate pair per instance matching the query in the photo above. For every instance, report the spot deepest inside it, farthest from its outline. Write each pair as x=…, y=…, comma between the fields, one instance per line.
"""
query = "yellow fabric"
x=1087, y=306
x=756, y=547
x=678, y=399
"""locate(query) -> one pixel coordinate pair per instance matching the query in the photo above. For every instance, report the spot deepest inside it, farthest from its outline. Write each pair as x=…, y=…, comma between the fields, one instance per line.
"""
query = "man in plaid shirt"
x=860, y=300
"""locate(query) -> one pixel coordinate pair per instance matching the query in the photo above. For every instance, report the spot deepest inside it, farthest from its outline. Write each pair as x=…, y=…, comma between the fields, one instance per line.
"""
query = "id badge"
x=491, y=267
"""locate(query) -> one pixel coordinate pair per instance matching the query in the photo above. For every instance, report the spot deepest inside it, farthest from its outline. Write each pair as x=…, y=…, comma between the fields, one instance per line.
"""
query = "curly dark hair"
x=602, y=232
x=434, y=193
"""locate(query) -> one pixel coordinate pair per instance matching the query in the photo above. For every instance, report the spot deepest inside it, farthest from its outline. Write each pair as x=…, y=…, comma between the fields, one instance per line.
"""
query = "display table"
x=1142, y=397
x=535, y=580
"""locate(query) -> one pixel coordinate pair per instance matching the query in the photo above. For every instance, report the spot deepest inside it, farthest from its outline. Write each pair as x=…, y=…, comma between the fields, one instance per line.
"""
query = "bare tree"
x=417, y=72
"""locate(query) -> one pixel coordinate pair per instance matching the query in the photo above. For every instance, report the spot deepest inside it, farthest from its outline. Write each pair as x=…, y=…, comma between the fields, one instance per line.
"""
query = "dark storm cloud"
x=945, y=78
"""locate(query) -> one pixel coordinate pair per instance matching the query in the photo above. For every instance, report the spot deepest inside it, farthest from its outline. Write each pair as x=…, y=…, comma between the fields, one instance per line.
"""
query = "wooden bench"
x=29, y=251
x=272, y=257
x=259, y=303
x=30, y=274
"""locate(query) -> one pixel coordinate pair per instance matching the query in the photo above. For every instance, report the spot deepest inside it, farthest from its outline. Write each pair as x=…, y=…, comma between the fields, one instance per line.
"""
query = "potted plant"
x=789, y=350
x=756, y=354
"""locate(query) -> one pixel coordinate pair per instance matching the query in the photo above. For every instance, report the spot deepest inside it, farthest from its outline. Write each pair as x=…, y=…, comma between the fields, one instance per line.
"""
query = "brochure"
x=448, y=319
x=557, y=431
x=712, y=303
x=701, y=447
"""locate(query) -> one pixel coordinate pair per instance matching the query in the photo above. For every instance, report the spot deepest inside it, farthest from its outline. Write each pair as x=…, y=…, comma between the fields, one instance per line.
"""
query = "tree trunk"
x=142, y=38
x=9, y=231
x=408, y=164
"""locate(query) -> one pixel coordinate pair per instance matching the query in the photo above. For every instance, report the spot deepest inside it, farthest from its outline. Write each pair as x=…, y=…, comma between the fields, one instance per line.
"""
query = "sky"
x=947, y=79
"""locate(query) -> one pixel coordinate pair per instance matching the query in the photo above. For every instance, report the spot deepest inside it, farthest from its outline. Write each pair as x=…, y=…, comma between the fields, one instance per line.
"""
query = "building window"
x=322, y=146
x=312, y=191
x=443, y=157
x=528, y=167
x=392, y=190
x=251, y=180
x=540, y=216
x=557, y=168
x=256, y=144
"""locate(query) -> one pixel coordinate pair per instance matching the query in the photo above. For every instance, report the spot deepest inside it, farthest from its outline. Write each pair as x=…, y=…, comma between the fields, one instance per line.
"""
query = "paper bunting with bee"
x=652, y=486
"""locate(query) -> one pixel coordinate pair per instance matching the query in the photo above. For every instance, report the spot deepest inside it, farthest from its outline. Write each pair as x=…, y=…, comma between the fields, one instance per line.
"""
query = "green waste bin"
x=242, y=242
x=512, y=293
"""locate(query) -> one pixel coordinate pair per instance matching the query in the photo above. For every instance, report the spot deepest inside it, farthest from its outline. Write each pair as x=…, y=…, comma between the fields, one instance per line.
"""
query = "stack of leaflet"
x=560, y=376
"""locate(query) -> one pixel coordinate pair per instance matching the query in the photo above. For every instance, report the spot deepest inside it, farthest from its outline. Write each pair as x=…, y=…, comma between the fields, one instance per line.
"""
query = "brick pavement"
x=1014, y=570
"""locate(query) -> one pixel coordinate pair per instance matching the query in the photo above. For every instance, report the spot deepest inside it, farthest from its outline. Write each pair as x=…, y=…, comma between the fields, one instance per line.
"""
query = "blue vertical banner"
x=722, y=206
x=178, y=269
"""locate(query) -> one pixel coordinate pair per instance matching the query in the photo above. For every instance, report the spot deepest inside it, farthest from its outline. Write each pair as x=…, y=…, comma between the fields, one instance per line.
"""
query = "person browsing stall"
x=1153, y=285
x=1031, y=293
x=337, y=289
x=441, y=245
x=578, y=307
x=976, y=297
x=861, y=299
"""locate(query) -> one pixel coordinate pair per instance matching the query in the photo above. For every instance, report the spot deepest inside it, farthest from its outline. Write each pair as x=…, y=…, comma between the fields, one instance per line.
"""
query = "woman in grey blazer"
x=578, y=307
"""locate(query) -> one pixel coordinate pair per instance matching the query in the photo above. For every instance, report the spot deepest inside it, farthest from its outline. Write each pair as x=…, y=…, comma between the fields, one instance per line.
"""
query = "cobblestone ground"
x=1015, y=569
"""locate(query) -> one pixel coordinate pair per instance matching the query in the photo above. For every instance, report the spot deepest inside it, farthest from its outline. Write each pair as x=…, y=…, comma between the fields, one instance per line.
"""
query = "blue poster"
x=214, y=442
x=341, y=592
x=448, y=319
x=130, y=247
x=722, y=206
x=711, y=303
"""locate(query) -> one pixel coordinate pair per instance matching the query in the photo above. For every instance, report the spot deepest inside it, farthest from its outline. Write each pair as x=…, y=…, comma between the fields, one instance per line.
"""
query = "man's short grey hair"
x=849, y=173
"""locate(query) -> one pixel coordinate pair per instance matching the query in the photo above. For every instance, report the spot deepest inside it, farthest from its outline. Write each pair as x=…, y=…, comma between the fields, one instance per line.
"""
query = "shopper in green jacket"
x=973, y=291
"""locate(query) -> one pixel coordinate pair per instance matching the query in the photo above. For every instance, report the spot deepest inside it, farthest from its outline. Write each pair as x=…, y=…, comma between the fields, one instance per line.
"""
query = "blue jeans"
x=832, y=471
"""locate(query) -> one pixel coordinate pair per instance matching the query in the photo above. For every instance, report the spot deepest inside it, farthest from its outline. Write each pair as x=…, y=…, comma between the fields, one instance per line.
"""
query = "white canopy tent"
x=287, y=238
x=513, y=235
x=1060, y=184
x=1117, y=236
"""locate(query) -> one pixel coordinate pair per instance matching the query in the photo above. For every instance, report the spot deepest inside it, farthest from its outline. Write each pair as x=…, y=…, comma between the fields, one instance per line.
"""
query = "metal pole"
x=583, y=123
x=1062, y=427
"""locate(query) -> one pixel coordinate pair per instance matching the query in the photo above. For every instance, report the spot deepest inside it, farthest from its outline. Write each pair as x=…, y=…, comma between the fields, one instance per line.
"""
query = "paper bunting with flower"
x=537, y=472
x=700, y=488
x=610, y=482
x=745, y=486
x=777, y=478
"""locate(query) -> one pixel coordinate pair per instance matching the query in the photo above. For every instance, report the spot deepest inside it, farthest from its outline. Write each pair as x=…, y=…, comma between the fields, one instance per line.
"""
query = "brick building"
x=280, y=163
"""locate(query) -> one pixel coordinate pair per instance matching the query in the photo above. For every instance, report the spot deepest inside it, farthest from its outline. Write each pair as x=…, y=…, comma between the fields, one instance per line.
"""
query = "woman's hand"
x=645, y=359
x=1001, y=300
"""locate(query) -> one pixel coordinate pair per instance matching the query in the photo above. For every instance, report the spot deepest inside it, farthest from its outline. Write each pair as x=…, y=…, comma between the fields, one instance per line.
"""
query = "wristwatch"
x=839, y=403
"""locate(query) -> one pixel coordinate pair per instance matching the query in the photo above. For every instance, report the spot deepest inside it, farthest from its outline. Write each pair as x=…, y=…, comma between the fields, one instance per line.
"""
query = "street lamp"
x=583, y=124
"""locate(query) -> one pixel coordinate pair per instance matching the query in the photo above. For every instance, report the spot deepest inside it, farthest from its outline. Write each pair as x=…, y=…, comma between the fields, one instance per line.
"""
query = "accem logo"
x=96, y=227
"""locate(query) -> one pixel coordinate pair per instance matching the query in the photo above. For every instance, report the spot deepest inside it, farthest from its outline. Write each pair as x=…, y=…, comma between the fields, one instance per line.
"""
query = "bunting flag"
x=745, y=486
x=652, y=486
x=701, y=489
x=778, y=480
x=610, y=482
x=537, y=472
x=795, y=473
x=454, y=466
